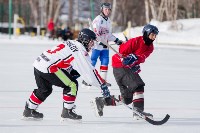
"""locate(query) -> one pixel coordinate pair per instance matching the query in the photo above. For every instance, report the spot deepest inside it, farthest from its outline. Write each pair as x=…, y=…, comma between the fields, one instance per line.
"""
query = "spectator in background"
x=58, y=32
x=67, y=34
x=51, y=27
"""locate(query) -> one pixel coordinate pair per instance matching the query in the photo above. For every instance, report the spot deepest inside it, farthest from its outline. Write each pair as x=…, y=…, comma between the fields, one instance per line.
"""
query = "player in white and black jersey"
x=61, y=66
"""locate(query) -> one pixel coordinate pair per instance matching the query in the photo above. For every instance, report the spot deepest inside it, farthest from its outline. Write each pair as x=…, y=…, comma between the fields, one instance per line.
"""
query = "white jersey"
x=103, y=30
x=65, y=56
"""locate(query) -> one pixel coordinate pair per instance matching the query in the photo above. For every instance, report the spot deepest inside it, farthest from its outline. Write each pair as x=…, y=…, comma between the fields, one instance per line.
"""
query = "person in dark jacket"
x=67, y=34
x=126, y=66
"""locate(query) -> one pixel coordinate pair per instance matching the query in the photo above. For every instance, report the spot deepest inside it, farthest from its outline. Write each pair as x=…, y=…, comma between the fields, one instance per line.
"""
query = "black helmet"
x=85, y=36
x=148, y=29
x=106, y=5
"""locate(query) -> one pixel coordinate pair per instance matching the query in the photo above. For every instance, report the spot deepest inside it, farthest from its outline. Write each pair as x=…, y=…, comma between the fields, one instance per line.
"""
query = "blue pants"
x=103, y=56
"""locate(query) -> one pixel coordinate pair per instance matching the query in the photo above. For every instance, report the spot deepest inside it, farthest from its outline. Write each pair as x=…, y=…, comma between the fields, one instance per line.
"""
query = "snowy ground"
x=172, y=86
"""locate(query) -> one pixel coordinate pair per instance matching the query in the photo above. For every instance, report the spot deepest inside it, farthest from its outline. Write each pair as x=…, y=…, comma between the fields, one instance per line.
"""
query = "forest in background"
x=138, y=12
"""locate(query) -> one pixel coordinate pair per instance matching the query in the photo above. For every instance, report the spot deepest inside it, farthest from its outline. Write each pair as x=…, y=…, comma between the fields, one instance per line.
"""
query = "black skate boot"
x=86, y=85
x=98, y=105
x=137, y=117
x=69, y=114
x=31, y=114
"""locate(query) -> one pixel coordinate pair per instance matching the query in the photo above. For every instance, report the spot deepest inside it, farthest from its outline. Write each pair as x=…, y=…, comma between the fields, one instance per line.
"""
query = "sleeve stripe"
x=68, y=57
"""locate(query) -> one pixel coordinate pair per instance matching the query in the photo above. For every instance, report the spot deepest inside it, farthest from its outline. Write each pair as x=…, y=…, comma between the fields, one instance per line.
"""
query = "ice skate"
x=86, y=85
x=70, y=115
x=31, y=114
x=98, y=105
x=137, y=117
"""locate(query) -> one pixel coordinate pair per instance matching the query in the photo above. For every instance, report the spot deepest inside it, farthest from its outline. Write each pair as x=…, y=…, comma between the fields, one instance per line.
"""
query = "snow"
x=187, y=32
x=171, y=75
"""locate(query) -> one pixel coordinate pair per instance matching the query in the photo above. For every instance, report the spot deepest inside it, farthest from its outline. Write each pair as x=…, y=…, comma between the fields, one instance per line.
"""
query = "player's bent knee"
x=127, y=101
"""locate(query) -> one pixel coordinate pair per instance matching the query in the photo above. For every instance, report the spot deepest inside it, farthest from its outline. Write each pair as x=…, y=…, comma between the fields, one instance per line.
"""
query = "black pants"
x=128, y=83
x=45, y=81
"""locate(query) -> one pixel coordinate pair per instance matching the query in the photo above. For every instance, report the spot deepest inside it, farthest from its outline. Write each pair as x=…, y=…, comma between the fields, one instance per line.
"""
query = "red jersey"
x=133, y=46
x=50, y=25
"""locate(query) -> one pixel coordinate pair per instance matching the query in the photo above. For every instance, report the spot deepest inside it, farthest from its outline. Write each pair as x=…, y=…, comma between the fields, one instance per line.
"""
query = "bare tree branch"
x=34, y=11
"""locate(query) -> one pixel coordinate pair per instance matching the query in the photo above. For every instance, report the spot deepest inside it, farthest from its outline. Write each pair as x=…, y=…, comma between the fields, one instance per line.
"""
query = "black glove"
x=118, y=42
x=74, y=74
x=130, y=59
x=136, y=68
x=106, y=92
x=104, y=46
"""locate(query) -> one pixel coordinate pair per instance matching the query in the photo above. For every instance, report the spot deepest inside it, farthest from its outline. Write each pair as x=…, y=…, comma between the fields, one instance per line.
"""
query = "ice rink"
x=172, y=77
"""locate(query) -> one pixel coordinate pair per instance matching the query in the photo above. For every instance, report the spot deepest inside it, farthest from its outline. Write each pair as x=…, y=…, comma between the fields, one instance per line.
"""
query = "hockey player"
x=61, y=66
x=126, y=69
x=102, y=27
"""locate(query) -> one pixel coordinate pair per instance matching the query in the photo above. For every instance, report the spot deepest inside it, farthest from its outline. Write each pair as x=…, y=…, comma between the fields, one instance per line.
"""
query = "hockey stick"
x=91, y=26
x=141, y=115
x=125, y=37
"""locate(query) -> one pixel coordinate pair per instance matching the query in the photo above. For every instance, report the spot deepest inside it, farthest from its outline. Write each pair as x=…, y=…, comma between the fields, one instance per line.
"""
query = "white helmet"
x=106, y=5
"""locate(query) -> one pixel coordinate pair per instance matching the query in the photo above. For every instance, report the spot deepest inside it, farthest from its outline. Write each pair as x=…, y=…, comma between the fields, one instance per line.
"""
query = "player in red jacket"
x=51, y=27
x=126, y=68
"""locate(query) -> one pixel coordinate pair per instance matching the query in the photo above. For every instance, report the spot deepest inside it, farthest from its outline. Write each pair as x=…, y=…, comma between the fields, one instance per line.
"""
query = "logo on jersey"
x=44, y=57
x=72, y=46
x=103, y=30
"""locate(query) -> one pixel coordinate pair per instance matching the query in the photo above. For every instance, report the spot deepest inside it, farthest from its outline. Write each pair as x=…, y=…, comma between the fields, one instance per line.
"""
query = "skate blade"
x=85, y=87
x=67, y=120
x=94, y=107
x=137, y=118
x=31, y=119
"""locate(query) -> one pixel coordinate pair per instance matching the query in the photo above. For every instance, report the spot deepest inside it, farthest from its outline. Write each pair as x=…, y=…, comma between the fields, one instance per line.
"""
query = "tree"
x=34, y=11
x=47, y=9
x=70, y=13
x=162, y=10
